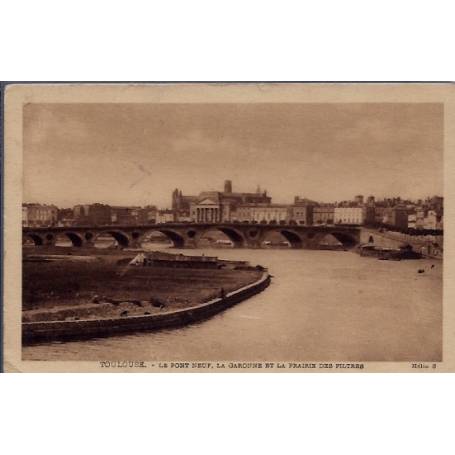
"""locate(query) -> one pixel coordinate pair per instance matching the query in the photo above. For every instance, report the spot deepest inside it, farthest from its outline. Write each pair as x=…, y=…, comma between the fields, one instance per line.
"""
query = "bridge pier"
x=252, y=243
x=134, y=243
x=49, y=240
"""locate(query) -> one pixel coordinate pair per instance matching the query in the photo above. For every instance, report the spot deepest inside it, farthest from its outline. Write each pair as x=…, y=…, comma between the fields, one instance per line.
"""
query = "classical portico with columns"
x=207, y=209
x=220, y=206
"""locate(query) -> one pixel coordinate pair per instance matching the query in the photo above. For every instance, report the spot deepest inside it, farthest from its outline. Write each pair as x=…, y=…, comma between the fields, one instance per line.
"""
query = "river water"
x=321, y=305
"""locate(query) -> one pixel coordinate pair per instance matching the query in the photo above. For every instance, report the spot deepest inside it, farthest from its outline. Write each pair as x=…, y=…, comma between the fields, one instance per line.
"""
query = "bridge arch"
x=119, y=236
x=234, y=235
x=348, y=240
x=225, y=236
x=281, y=237
x=37, y=239
x=75, y=238
x=293, y=238
x=176, y=238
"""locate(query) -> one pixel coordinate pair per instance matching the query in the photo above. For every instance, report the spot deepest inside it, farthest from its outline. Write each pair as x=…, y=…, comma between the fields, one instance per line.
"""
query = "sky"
x=136, y=154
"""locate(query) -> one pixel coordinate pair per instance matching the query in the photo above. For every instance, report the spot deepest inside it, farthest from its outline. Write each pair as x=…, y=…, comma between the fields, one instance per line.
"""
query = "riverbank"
x=69, y=288
x=101, y=327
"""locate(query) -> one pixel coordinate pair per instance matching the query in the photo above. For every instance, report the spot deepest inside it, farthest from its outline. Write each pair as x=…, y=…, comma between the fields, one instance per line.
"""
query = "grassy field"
x=58, y=285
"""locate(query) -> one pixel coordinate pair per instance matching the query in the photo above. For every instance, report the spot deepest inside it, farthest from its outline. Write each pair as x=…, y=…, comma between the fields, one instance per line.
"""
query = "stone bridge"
x=187, y=235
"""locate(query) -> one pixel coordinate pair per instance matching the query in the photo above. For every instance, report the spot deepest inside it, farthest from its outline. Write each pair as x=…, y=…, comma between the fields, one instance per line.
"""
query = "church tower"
x=175, y=199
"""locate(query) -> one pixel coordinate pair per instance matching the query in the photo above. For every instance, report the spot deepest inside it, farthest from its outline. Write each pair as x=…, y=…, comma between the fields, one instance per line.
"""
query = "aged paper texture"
x=229, y=227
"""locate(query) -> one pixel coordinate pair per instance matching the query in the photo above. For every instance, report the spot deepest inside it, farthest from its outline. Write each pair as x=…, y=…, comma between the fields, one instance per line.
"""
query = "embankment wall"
x=89, y=328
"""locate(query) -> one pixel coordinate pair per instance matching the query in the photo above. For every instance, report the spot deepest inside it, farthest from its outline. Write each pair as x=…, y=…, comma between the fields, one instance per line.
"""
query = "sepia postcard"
x=229, y=227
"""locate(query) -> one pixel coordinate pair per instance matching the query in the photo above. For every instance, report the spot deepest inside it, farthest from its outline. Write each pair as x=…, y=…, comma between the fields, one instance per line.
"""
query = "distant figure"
x=222, y=293
x=432, y=266
x=421, y=271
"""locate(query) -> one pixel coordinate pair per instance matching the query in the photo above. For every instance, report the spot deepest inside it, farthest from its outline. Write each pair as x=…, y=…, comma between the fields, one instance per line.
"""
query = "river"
x=321, y=305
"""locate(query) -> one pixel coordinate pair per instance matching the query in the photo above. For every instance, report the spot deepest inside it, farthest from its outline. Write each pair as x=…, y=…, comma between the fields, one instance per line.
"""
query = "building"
x=148, y=215
x=208, y=208
x=412, y=220
x=425, y=219
x=262, y=213
x=437, y=204
x=39, y=215
x=301, y=214
x=165, y=216
x=369, y=214
x=221, y=206
x=65, y=217
x=432, y=220
x=399, y=217
x=126, y=215
x=302, y=211
x=349, y=215
x=92, y=214
x=323, y=214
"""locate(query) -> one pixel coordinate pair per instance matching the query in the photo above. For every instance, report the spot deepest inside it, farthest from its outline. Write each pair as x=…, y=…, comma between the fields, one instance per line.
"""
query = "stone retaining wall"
x=89, y=328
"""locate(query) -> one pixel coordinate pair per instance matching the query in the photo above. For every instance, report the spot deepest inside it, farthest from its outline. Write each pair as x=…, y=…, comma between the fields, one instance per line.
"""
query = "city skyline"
x=169, y=207
x=323, y=152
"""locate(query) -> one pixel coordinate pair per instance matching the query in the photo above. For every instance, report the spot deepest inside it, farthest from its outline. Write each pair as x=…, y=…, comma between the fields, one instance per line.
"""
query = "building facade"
x=39, y=215
x=301, y=212
x=65, y=217
x=148, y=215
x=126, y=215
x=262, y=213
x=397, y=216
x=323, y=214
x=92, y=214
x=165, y=216
x=349, y=215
